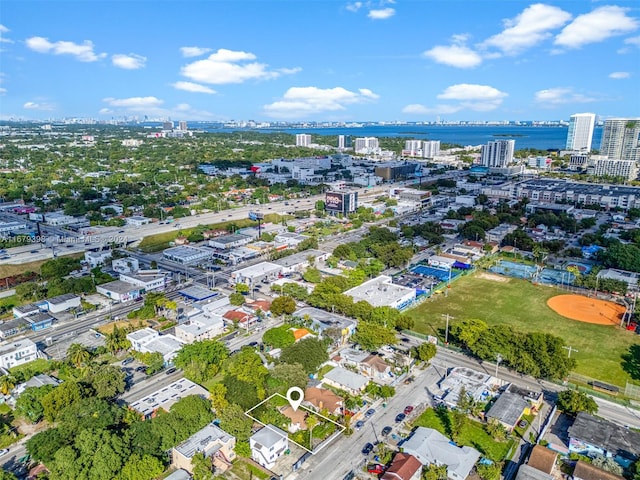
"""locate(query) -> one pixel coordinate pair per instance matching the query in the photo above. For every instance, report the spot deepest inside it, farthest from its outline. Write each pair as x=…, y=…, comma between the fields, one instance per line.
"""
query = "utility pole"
x=571, y=349
x=446, y=330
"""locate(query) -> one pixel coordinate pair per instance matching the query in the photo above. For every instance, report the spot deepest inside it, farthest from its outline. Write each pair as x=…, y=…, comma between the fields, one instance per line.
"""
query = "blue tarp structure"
x=591, y=250
x=462, y=266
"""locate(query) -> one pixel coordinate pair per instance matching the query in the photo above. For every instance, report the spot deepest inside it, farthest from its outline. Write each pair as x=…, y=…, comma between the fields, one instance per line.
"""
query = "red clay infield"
x=585, y=309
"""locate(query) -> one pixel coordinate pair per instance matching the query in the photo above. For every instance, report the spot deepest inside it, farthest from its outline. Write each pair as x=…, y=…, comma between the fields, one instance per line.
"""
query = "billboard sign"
x=256, y=216
x=334, y=201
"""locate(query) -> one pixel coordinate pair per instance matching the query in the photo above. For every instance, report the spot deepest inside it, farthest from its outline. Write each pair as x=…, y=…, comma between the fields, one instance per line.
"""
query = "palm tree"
x=7, y=383
x=311, y=422
x=78, y=354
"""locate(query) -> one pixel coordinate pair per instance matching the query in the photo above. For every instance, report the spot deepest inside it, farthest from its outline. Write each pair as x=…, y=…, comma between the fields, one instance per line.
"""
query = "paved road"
x=345, y=453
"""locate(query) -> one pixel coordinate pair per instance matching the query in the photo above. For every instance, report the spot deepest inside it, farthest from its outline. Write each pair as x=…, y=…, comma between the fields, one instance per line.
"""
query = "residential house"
x=527, y=472
x=300, y=333
x=200, y=327
x=586, y=471
x=39, y=380
x=18, y=352
x=352, y=383
x=243, y=318
x=179, y=474
x=403, y=467
x=319, y=399
x=147, y=340
x=267, y=444
x=543, y=459
x=376, y=368
x=213, y=442
x=297, y=418
x=322, y=321
x=299, y=262
x=590, y=435
x=508, y=409
x=431, y=447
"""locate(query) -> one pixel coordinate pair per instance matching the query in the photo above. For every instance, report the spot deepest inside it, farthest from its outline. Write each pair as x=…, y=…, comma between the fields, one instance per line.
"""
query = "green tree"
x=607, y=464
x=279, y=337
x=236, y=299
x=201, y=360
x=78, y=354
x=572, y=402
x=286, y=375
x=202, y=467
x=308, y=352
x=107, y=381
x=235, y=422
x=435, y=472
x=218, y=393
x=141, y=467
x=242, y=288
x=489, y=472
x=424, y=352
x=494, y=428
x=29, y=403
x=7, y=383
x=60, y=398
x=283, y=305
x=243, y=449
x=312, y=275
x=371, y=337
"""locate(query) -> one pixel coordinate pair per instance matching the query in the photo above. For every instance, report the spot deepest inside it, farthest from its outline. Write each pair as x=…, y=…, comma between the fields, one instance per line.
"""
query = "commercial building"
x=213, y=442
x=165, y=397
x=200, y=327
x=148, y=282
x=18, y=352
x=62, y=303
x=137, y=220
x=9, y=227
x=341, y=202
x=430, y=148
x=344, y=142
x=621, y=139
x=580, y=133
x=185, y=255
x=56, y=219
x=381, y=292
x=268, y=444
x=125, y=265
x=299, y=262
x=119, y=291
x=260, y=272
x=225, y=242
x=97, y=259
x=148, y=340
x=290, y=239
x=431, y=447
x=422, y=198
x=393, y=171
x=497, y=153
x=590, y=435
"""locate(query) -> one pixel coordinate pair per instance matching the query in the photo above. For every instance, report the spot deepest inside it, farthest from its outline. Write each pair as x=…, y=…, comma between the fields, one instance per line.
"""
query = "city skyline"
x=330, y=61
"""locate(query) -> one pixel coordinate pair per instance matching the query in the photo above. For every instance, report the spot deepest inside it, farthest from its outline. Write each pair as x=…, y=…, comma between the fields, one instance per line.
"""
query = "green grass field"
x=523, y=305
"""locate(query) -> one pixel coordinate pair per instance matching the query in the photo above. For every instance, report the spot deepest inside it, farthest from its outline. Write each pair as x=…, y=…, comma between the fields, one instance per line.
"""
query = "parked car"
x=400, y=417
x=171, y=370
x=253, y=344
x=359, y=424
x=409, y=380
x=4, y=451
x=408, y=409
x=141, y=368
x=127, y=361
x=386, y=430
x=368, y=448
x=376, y=469
x=523, y=423
x=369, y=413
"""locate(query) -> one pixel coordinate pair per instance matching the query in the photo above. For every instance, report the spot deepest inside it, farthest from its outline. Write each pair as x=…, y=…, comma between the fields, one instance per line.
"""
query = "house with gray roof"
x=267, y=444
x=346, y=380
x=213, y=442
x=431, y=447
x=508, y=409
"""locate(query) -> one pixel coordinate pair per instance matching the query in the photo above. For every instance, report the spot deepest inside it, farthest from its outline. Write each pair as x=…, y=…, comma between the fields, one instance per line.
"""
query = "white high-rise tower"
x=498, y=153
x=621, y=139
x=580, y=132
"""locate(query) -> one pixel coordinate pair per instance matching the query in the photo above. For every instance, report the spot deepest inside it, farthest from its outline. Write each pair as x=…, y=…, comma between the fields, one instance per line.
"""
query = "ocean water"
x=541, y=138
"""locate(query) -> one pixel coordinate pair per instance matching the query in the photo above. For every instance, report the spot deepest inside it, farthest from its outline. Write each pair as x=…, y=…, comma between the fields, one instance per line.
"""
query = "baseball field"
x=597, y=347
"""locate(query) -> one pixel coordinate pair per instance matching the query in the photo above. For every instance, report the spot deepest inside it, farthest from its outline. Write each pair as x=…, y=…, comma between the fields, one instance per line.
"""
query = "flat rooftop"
x=327, y=319
x=167, y=396
x=119, y=286
x=380, y=292
x=197, y=293
x=201, y=439
x=262, y=268
x=297, y=258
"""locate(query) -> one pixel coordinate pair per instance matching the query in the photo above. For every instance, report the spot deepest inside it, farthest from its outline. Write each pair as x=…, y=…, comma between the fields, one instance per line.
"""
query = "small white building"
x=147, y=282
x=113, y=206
x=299, y=262
x=200, y=327
x=186, y=255
x=8, y=227
x=148, y=340
x=268, y=444
x=346, y=380
x=17, y=352
x=97, y=259
x=291, y=239
x=125, y=265
x=26, y=310
x=62, y=303
x=56, y=219
x=119, y=291
x=137, y=220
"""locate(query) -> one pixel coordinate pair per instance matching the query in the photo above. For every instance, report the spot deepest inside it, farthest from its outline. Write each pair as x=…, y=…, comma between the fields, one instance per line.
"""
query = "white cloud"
x=192, y=87
x=619, y=75
x=457, y=55
x=193, y=51
x=228, y=66
x=633, y=41
x=481, y=98
x=129, y=62
x=83, y=52
x=528, y=28
x=560, y=95
x=596, y=26
x=354, y=7
x=37, y=106
x=419, y=109
x=134, y=103
x=301, y=101
x=381, y=14
x=4, y=30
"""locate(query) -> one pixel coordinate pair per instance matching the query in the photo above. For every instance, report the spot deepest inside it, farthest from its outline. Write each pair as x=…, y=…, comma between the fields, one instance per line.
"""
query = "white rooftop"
x=167, y=396
x=380, y=292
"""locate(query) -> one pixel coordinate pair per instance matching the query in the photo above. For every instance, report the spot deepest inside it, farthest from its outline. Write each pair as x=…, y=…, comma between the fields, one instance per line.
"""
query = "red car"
x=376, y=469
x=408, y=409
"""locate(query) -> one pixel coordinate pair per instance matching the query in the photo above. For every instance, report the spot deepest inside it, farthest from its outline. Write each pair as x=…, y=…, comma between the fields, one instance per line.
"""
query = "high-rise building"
x=580, y=131
x=498, y=153
x=168, y=125
x=303, y=140
x=344, y=141
x=621, y=139
x=183, y=126
x=430, y=148
x=366, y=144
x=412, y=148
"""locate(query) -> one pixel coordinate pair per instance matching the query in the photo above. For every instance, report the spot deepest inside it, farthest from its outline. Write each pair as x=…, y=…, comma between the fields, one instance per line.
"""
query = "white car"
x=4, y=451
x=386, y=348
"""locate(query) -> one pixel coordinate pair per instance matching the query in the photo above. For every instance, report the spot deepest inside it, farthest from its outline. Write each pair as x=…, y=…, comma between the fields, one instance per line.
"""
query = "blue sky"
x=319, y=60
